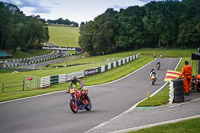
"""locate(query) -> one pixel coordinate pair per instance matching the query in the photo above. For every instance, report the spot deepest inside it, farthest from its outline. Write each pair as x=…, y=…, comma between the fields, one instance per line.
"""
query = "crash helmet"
x=152, y=70
x=74, y=80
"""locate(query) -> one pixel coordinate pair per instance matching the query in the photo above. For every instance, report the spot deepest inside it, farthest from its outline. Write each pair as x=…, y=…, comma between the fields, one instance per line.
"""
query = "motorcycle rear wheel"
x=73, y=107
x=88, y=106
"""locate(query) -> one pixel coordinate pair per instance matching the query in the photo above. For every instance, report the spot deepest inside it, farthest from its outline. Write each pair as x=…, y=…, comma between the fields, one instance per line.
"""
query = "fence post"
x=23, y=84
x=2, y=86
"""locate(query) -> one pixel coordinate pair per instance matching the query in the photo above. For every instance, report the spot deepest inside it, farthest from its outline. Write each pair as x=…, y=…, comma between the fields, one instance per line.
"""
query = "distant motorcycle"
x=158, y=65
x=153, y=79
x=78, y=101
x=161, y=56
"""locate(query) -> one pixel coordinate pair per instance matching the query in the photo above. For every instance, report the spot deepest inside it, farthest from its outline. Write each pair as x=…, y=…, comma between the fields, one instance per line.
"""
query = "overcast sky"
x=74, y=10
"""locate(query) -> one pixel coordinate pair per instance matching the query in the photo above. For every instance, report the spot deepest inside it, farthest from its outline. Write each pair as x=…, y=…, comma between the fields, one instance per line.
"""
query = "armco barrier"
x=54, y=80
x=62, y=78
x=79, y=74
x=91, y=72
x=45, y=82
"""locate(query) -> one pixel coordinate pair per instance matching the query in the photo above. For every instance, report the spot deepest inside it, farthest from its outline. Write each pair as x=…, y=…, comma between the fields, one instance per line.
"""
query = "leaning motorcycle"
x=153, y=79
x=79, y=101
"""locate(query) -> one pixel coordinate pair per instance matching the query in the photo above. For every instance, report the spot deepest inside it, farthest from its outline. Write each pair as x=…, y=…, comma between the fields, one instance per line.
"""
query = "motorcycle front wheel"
x=73, y=107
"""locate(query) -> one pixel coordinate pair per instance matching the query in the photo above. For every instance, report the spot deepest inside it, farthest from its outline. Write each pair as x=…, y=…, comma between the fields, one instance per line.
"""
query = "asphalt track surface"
x=51, y=113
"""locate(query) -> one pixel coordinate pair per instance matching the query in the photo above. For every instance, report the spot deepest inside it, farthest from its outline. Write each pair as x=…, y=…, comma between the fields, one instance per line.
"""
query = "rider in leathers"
x=78, y=84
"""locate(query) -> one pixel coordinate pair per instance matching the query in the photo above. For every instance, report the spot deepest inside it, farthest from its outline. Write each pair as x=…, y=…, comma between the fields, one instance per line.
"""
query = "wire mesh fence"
x=28, y=83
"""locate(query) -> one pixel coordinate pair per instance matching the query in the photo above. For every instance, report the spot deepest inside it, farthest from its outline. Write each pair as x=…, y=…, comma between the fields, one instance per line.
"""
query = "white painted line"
x=155, y=124
x=32, y=97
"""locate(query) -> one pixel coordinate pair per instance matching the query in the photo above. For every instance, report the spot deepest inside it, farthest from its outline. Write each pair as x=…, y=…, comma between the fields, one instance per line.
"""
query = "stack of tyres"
x=198, y=85
x=178, y=90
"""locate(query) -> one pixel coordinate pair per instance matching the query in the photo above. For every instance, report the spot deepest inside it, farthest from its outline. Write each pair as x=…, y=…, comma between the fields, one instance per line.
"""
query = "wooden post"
x=2, y=86
x=23, y=84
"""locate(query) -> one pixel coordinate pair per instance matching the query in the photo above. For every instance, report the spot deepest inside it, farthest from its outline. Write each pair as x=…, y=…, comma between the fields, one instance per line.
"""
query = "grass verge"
x=187, y=126
x=32, y=53
x=92, y=80
x=162, y=97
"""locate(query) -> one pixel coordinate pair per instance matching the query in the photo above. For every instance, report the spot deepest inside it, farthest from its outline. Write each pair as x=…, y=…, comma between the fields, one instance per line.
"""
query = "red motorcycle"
x=79, y=101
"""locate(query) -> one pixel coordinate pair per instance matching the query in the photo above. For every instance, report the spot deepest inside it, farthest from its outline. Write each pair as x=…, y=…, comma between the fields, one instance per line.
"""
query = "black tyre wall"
x=178, y=91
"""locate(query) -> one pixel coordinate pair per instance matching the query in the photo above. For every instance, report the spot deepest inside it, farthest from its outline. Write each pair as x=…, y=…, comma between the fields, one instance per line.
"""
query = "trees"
x=106, y=26
x=85, y=39
x=19, y=31
x=169, y=23
x=188, y=28
x=64, y=22
x=98, y=37
x=131, y=33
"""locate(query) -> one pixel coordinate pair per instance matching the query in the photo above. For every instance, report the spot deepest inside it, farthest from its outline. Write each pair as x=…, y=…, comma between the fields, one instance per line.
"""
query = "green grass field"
x=64, y=36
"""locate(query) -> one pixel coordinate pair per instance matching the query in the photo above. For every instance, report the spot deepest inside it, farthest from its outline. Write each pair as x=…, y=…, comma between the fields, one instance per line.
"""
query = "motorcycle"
x=79, y=101
x=153, y=79
x=158, y=66
x=161, y=56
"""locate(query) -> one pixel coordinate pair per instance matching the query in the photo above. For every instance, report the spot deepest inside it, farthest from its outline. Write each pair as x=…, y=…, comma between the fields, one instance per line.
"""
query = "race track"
x=51, y=113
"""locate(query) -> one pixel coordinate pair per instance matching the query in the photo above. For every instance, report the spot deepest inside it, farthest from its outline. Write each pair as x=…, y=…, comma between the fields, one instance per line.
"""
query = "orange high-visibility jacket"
x=187, y=69
x=198, y=76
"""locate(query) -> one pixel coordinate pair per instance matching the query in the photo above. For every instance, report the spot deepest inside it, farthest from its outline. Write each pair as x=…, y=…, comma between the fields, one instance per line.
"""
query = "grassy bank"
x=96, y=79
x=91, y=62
x=187, y=126
x=163, y=96
x=64, y=36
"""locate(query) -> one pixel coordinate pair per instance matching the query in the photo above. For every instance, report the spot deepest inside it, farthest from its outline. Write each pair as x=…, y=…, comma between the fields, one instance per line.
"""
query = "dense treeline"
x=64, y=22
x=18, y=31
x=168, y=23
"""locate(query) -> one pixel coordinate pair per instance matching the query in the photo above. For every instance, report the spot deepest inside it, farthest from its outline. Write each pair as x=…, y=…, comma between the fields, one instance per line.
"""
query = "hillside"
x=64, y=36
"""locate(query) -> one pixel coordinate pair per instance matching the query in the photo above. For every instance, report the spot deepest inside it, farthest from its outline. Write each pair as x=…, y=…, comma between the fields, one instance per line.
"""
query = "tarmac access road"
x=46, y=63
x=141, y=117
x=51, y=113
x=58, y=60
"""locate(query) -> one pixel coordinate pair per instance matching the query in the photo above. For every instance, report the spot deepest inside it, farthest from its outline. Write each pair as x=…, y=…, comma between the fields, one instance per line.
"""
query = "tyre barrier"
x=178, y=91
x=198, y=85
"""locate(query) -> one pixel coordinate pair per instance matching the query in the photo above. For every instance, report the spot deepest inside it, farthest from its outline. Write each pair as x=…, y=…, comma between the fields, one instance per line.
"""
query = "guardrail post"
x=2, y=86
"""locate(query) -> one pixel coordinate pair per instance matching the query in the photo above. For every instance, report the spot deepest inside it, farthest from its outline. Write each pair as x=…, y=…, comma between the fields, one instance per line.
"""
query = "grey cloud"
x=119, y=7
x=147, y=1
x=41, y=10
x=55, y=3
x=38, y=8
